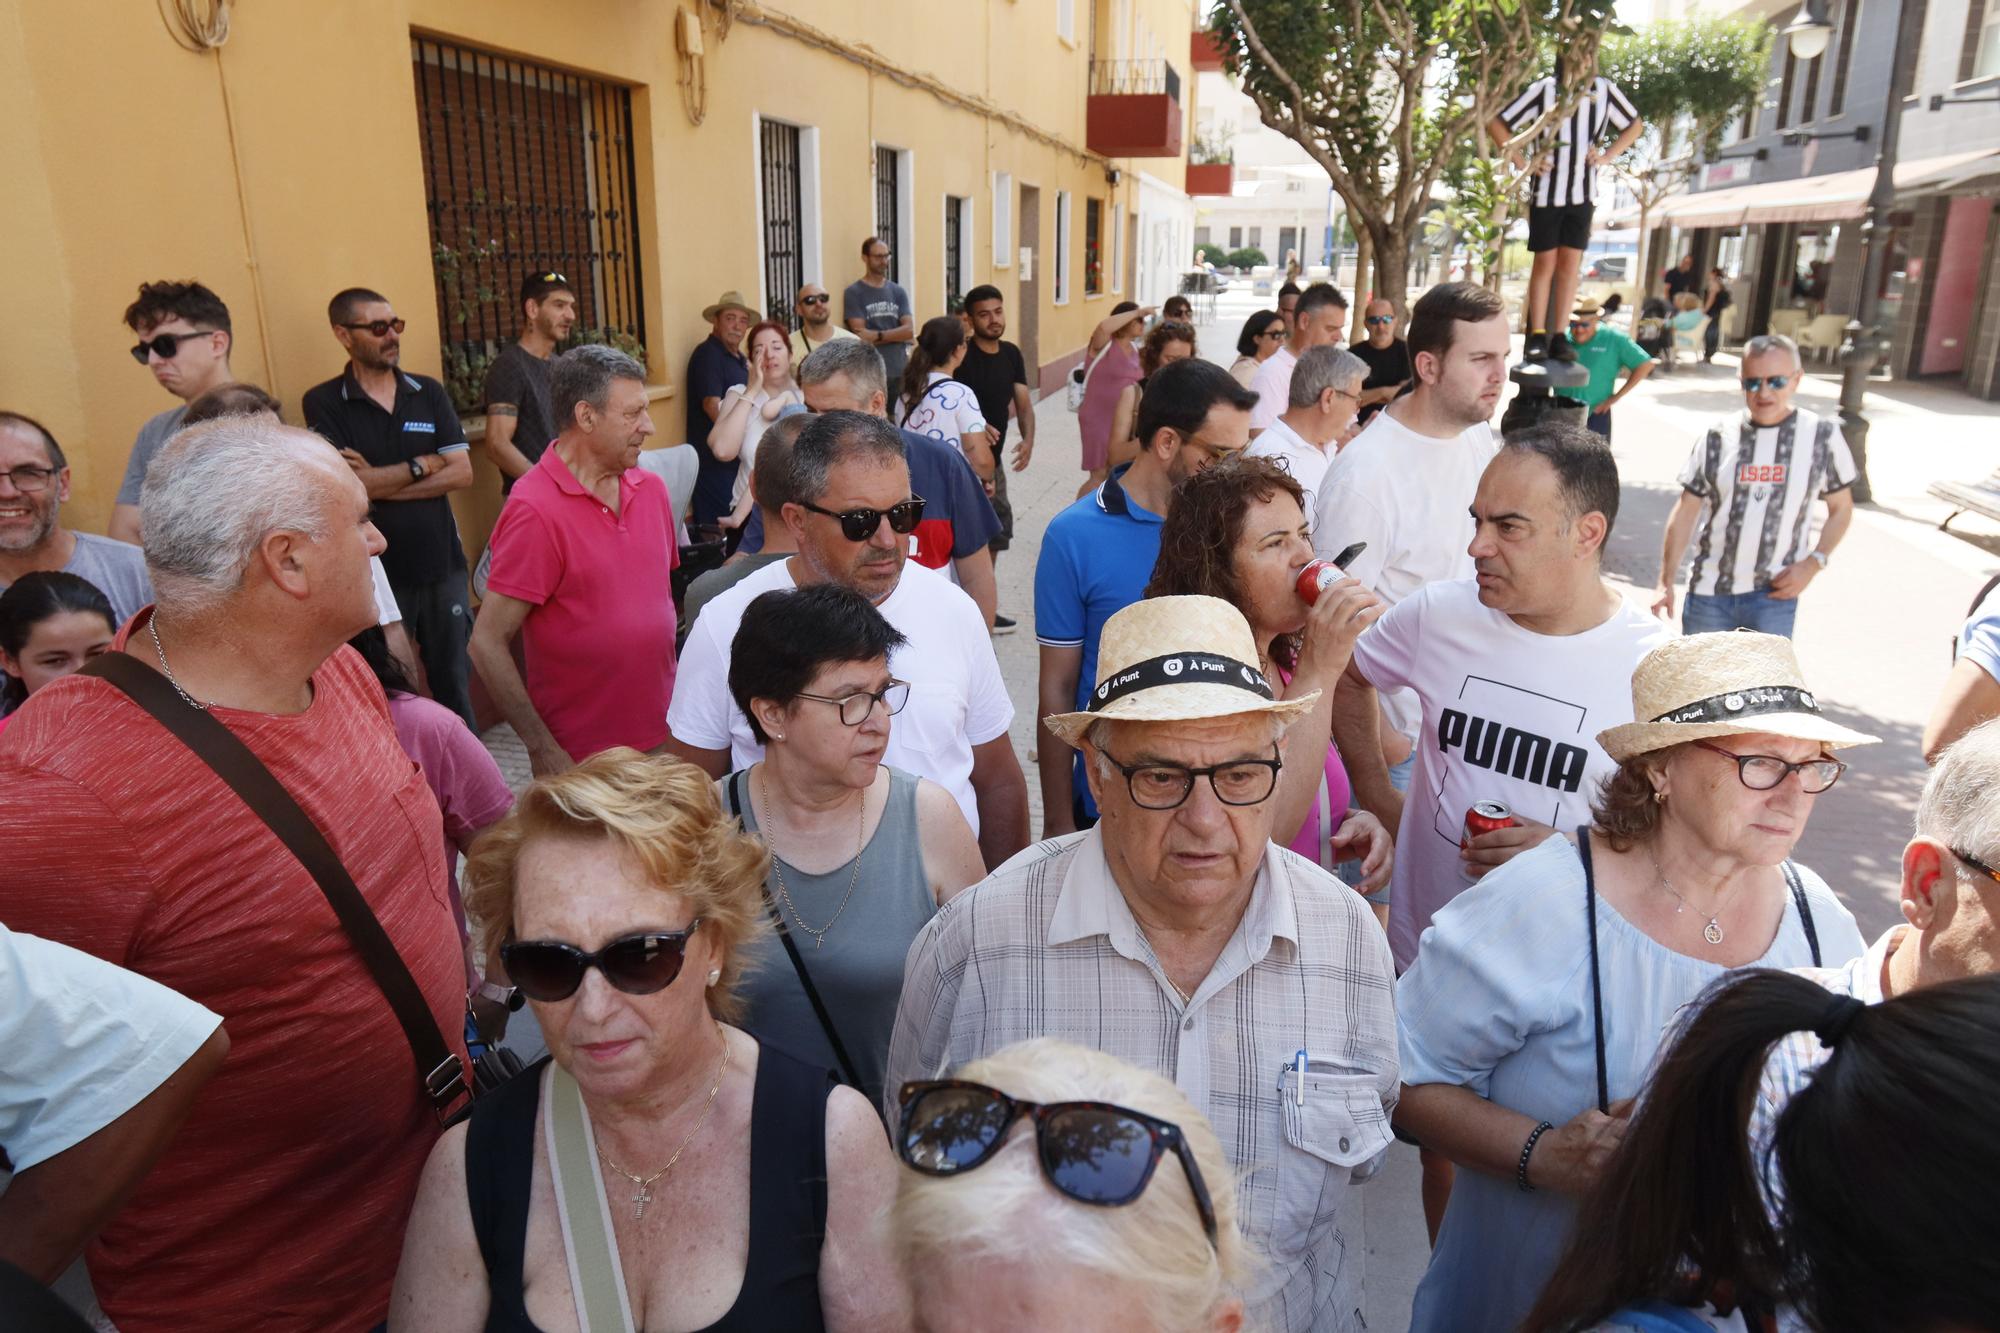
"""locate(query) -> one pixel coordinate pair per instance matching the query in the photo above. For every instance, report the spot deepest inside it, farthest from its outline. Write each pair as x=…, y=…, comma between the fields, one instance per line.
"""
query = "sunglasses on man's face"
x=166, y=345
x=1091, y=1152
x=858, y=525
x=379, y=328
x=821, y=299
x=1752, y=383
x=641, y=964
x=1381, y=319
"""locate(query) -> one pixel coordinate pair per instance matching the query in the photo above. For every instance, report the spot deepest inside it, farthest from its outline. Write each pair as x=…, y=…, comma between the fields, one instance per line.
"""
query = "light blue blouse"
x=1498, y=1001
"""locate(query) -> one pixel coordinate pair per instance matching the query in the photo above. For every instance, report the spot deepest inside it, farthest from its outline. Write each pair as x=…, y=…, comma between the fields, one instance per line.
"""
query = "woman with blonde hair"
x=1093, y=1195
x=663, y=1169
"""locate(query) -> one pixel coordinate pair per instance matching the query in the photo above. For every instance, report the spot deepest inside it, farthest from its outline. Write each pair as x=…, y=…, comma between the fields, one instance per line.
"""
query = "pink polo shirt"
x=600, y=641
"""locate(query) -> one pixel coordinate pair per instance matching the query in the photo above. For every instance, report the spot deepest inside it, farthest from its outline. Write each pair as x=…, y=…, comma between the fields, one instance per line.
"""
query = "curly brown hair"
x=1203, y=526
x=1166, y=331
x=1627, y=809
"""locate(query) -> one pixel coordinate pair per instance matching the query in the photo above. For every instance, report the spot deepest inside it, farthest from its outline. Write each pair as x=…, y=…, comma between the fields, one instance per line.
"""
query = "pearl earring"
x=1659, y=798
x=714, y=975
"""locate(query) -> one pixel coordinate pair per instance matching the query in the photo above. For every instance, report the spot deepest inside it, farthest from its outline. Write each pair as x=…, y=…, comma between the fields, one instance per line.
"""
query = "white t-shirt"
x=86, y=1041
x=386, y=610
x=753, y=431
x=1407, y=496
x=1307, y=463
x=948, y=411
x=1759, y=484
x=1273, y=386
x=1508, y=715
x=957, y=698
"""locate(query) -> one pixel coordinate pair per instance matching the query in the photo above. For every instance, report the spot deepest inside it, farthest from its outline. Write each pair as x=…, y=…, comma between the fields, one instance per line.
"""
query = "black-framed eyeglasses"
x=166, y=345
x=1380, y=319
x=858, y=525
x=1216, y=452
x=638, y=964
x=1752, y=383
x=1092, y=1152
x=821, y=299
x=1978, y=865
x=380, y=328
x=1762, y=772
x=855, y=708
x=1167, y=786
x=28, y=479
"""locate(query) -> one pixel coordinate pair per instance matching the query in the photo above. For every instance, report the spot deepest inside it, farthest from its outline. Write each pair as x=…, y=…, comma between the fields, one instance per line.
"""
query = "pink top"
x=1334, y=797
x=460, y=773
x=1116, y=368
x=600, y=642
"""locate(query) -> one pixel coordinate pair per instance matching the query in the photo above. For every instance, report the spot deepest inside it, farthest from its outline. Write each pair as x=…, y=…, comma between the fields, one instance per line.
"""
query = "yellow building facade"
x=706, y=145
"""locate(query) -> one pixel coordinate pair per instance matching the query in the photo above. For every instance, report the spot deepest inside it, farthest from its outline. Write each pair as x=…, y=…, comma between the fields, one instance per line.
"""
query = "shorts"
x=1565, y=226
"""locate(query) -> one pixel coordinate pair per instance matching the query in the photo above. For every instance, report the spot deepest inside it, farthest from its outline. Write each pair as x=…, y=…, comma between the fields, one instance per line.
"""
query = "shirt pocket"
x=1330, y=1135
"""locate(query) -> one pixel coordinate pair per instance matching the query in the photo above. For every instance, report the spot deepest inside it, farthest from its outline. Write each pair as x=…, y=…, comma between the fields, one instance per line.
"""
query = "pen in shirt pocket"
x=1298, y=1066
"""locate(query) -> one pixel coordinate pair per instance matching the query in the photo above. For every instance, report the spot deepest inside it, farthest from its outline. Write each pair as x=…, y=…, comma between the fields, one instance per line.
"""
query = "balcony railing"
x=1134, y=78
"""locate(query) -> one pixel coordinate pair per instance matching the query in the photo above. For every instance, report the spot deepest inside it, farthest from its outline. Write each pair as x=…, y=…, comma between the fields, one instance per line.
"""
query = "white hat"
x=1174, y=659
x=1726, y=684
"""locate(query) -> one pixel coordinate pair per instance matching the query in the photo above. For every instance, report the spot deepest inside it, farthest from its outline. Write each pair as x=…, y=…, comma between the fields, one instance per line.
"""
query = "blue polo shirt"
x=1097, y=556
x=712, y=368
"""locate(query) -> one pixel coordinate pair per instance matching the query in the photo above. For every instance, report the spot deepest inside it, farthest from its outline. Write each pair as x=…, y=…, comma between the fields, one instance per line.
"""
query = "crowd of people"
x=1370, y=809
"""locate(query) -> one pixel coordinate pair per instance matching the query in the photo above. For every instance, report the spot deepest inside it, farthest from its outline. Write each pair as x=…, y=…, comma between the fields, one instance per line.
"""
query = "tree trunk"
x=1392, y=268
x=1642, y=278
x=1364, y=254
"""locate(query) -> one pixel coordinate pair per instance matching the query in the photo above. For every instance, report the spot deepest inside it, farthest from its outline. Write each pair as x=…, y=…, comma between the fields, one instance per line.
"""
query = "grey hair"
x=832, y=438
x=1323, y=368
x=1772, y=342
x=583, y=375
x=856, y=361
x=1960, y=806
x=217, y=490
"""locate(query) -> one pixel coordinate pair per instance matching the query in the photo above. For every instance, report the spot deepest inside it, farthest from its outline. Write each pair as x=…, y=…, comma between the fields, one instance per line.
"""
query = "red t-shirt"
x=280, y=1204
x=600, y=642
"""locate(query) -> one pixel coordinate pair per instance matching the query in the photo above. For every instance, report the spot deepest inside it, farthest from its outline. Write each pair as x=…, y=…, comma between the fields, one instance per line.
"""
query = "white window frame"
x=810, y=232
x=1060, y=268
x=1003, y=219
x=1983, y=68
x=1117, y=248
x=903, y=268
x=1066, y=20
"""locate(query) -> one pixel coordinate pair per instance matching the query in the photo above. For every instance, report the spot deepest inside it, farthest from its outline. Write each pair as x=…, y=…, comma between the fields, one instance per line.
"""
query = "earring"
x=776, y=737
x=714, y=975
x=1659, y=798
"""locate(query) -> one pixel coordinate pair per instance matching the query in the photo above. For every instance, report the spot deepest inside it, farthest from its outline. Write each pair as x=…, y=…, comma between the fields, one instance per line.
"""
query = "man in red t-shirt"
x=583, y=564
x=280, y=1205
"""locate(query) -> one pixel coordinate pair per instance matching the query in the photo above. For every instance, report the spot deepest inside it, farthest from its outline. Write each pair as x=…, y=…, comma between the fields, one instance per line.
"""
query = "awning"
x=1835, y=197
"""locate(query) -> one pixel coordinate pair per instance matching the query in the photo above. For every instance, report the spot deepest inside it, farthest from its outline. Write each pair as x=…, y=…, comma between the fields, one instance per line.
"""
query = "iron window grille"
x=888, y=193
x=954, y=240
x=784, y=263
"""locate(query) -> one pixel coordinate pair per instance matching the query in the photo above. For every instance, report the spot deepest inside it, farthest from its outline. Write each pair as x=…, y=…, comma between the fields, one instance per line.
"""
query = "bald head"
x=1381, y=317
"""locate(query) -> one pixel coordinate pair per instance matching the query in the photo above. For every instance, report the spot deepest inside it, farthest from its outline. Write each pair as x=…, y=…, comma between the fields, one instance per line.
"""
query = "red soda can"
x=1316, y=578
x=1484, y=817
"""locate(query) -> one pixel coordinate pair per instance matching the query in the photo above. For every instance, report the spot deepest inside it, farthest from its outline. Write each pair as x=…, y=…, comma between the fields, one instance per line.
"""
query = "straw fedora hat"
x=1174, y=659
x=1724, y=684
x=729, y=300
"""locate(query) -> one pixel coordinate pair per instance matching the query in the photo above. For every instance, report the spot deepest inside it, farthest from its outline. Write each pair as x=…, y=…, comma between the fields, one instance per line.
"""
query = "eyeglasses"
x=166, y=345
x=1216, y=452
x=1092, y=1152
x=821, y=299
x=1583, y=323
x=1762, y=772
x=642, y=964
x=858, y=525
x=28, y=480
x=1167, y=786
x=1751, y=383
x=1380, y=319
x=856, y=708
x=1978, y=865
x=1276, y=331
x=380, y=328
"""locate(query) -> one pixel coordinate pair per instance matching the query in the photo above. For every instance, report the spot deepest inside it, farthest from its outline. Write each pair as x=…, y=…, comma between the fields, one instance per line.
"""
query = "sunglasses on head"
x=380, y=328
x=166, y=345
x=552, y=277
x=641, y=964
x=1752, y=383
x=1091, y=1152
x=858, y=525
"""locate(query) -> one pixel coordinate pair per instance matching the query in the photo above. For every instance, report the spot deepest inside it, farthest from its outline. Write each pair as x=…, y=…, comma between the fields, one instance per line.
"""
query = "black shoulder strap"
x=439, y=1070
x=1596, y=982
x=1798, y=889
x=847, y=1071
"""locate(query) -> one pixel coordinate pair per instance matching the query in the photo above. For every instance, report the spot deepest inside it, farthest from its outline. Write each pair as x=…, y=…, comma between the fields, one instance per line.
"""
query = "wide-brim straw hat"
x=1176, y=659
x=1726, y=684
x=731, y=300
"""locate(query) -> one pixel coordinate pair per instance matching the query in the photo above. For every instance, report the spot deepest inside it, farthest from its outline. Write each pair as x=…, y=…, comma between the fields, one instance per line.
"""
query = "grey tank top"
x=859, y=970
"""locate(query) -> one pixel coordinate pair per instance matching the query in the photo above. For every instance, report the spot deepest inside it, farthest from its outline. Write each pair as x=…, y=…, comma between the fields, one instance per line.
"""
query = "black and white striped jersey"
x=1571, y=179
x=1759, y=484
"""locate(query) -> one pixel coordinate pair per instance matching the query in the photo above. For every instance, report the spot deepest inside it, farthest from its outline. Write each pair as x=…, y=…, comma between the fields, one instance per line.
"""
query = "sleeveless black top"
x=787, y=1195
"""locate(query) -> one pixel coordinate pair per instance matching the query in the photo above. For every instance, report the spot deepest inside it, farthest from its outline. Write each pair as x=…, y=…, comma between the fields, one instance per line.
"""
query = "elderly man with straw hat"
x=716, y=364
x=1176, y=936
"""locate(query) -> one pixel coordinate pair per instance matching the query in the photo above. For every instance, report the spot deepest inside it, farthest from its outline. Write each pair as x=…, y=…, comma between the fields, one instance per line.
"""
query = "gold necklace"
x=644, y=1194
x=778, y=872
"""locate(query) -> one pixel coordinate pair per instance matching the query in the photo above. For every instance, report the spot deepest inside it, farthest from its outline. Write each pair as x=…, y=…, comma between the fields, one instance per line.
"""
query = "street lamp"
x=1808, y=33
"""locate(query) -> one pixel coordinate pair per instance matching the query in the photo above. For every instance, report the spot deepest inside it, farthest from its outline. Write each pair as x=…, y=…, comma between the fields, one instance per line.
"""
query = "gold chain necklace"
x=644, y=1194
x=778, y=873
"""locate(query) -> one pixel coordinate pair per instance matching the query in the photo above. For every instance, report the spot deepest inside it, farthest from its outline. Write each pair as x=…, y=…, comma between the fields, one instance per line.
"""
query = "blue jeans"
x=1600, y=424
x=1745, y=610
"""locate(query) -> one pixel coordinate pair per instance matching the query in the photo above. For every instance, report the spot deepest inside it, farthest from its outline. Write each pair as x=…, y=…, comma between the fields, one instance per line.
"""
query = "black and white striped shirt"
x=1759, y=484
x=1571, y=179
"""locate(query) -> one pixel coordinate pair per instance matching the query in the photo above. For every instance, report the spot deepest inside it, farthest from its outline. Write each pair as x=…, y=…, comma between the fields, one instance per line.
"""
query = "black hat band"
x=1179, y=669
x=1737, y=704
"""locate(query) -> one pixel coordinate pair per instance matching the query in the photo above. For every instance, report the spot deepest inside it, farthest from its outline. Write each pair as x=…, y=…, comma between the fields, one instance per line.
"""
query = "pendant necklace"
x=644, y=1194
x=1712, y=932
x=818, y=933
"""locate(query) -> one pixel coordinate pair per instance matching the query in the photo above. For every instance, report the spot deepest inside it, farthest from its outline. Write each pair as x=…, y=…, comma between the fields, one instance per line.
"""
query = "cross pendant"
x=818, y=940
x=640, y=1200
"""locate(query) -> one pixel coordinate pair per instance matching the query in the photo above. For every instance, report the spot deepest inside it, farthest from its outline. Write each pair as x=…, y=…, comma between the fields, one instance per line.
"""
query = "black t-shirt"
x=1386, y=366
x=519, y=377
x=1678, y=281
x=992, y=376
x=422, y=536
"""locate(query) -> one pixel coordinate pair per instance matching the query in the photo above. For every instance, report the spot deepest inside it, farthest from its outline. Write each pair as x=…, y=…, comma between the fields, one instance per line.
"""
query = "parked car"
x=1607, y=268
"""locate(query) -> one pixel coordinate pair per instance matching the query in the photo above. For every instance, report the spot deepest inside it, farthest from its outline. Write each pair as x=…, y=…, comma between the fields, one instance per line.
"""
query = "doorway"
x=1028, y=329
x=1955, y=284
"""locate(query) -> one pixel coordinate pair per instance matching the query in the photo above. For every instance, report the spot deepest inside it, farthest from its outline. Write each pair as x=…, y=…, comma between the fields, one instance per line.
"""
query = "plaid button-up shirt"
x=1047, y=946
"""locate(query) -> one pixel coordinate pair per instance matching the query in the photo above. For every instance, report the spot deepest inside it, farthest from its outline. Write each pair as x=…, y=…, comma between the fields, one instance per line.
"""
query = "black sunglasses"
x=380, y=328
x=641, y=964
x=858, y=525
x=1275, y=331
x=821, y=299
x=1092, y=1152
x=167, y=345
x=1751, y=383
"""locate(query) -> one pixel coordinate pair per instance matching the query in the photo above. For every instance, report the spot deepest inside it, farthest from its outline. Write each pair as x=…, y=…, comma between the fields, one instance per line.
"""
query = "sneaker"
x=1560, y=348
x=1536, y=348
x=1003, y=625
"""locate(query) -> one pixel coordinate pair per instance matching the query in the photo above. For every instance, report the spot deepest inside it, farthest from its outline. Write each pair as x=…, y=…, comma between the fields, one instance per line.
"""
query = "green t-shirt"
x=1607, y=353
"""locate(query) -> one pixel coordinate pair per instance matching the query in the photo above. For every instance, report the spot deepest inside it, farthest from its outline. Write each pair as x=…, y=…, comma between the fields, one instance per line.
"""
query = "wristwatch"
x=1820, y=556
x=417, y=469
x=509, y=996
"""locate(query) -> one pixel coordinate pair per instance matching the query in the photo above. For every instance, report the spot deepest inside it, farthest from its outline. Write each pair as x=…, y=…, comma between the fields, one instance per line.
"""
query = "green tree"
x=1686, y=78
x=1382, y=93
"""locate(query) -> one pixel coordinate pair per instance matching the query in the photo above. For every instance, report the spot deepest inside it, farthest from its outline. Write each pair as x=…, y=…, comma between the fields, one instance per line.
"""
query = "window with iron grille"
x=1093, y=247
x=954, y=250
x=887, y=194
x=784, y=251
x=526, y=167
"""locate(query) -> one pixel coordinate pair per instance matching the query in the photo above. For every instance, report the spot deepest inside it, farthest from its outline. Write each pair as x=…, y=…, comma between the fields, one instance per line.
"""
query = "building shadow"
x=1856, y=835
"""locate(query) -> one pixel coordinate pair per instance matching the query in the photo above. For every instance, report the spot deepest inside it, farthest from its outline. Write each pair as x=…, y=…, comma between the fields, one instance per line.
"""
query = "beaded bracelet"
x=1527, y=1150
